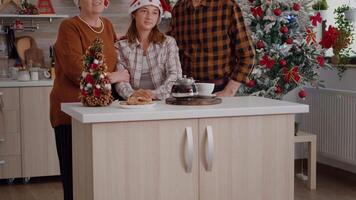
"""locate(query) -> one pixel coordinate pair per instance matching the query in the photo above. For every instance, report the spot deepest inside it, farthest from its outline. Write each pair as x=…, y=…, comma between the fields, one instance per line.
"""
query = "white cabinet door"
x=39, y=155
x=246, y=158
x=10, y=147
x=136, y=160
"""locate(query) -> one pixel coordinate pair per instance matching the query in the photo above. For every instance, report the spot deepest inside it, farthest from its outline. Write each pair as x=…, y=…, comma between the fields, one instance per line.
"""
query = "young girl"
x=150, y=56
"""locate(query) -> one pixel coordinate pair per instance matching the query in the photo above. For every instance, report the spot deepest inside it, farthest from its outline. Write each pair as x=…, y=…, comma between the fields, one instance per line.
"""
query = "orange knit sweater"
x=74, y=37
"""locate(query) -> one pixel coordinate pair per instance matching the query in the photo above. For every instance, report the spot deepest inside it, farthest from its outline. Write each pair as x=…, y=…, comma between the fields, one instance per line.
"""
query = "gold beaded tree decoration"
x=95, y=86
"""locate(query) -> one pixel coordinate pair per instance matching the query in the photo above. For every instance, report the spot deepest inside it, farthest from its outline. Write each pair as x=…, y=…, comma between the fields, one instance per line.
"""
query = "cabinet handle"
x=2, y=140
x=1, y=101
x=209, y=148
x=189, y=149
x=2, y=162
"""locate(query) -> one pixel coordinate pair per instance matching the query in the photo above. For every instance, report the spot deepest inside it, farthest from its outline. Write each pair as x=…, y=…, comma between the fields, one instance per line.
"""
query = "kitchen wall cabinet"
x=230, y=158
x=27, y=144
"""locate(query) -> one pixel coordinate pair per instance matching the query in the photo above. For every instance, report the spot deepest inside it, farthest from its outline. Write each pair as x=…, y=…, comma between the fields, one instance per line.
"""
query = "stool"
x=311, y=140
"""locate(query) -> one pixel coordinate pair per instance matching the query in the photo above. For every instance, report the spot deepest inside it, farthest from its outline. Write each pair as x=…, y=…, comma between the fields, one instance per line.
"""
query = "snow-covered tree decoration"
x=287, y=53
x=95, y=86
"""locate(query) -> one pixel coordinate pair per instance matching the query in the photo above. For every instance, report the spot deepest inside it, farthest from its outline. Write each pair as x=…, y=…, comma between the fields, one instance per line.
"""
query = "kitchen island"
x=242, y=149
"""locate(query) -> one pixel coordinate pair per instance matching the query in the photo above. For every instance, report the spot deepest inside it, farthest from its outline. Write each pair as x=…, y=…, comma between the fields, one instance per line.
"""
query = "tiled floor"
x=332, y=184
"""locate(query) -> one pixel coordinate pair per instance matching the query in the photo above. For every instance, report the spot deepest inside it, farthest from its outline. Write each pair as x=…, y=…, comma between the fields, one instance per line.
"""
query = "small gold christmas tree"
x=95, y=86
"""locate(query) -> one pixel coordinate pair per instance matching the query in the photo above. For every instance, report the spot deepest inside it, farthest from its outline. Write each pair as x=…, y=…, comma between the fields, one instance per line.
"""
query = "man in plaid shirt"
x=214, y=43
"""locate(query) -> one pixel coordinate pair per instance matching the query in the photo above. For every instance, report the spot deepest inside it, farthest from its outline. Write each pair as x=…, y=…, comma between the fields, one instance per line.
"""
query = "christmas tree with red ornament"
x=287, y=53
x=95, y=87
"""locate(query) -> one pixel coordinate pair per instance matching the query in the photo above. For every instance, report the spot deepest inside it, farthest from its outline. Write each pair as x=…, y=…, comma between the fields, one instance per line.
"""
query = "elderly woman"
x=150, y=56
x=74, y=37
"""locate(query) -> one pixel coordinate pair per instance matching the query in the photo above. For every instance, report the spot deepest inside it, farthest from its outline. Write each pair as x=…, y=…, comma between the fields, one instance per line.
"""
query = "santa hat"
x=136, y=4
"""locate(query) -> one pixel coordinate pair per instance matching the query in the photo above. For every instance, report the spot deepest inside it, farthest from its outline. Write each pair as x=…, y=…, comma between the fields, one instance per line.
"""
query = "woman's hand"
x=119, y=76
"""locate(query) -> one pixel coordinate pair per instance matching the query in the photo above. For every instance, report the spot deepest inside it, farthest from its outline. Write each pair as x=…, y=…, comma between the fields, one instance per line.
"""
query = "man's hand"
x=229, y=90
x=119, y=76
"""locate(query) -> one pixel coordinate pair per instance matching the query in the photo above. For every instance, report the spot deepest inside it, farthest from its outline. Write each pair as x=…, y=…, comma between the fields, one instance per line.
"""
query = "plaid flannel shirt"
x=213, y=40
x=163, y=62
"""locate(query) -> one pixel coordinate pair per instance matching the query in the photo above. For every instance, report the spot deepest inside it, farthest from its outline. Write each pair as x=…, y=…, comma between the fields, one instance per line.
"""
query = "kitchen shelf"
x=41, y=16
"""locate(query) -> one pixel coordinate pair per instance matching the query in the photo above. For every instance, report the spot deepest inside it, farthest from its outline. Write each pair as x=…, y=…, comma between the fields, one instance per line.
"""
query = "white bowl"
x=205, y=88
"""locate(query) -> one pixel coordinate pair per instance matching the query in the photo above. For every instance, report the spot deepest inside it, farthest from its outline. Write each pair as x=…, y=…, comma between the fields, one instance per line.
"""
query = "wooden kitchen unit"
x=242, y=149
x=27, y=141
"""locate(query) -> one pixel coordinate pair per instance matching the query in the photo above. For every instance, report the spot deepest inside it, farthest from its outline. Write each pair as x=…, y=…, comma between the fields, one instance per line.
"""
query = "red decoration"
x=315, y=19
x=266, y=60
x=260, y=44
x=251, y=1
x=251, y=84
x=277, y=11
x=94, y=66
x=321, y=60
x=90, y=79
x=302, y=94
x=97, y=92
x=289, y=40
x=84, y=93
x=278, y=89
x=291, y=75
x=45, y=7
x=296, y=6
x=257, y=11
x=329, y=37
x=283, y=62
x=284, y=29
x=311, y=36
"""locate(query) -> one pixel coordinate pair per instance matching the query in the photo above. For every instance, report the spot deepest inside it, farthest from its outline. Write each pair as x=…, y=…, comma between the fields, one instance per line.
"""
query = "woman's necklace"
x=98, y=32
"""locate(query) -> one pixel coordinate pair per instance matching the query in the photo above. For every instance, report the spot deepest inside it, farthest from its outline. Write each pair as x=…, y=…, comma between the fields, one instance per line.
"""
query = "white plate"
x=123, y=104
x=206, y=95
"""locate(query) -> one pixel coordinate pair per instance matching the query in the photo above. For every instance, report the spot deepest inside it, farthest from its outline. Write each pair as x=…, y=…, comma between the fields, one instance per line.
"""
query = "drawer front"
x=10, y=144
x=10, y=167
x=9, y=121
x=10, y=98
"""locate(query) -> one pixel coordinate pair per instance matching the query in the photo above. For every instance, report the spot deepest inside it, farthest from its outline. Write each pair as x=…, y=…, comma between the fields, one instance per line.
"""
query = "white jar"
x=34, y=75
x=23, y=75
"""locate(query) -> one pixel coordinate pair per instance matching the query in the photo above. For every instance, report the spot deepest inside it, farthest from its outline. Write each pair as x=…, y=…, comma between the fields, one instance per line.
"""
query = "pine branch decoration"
x=95, y=87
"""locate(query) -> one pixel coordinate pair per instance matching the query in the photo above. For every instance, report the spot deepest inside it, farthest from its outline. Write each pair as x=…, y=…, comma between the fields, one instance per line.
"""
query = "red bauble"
x=251, y=84
x=278, y=89
x=289, y=40
x=321, y=60
x=296, y=6
x=283, y=62
x=277, y=11
x=94, y=66
x=251, y=1
x=89, y=79
x=97, y=92
x=284, y=29
x=302, y=94
x=84, y=93
x=260, y=44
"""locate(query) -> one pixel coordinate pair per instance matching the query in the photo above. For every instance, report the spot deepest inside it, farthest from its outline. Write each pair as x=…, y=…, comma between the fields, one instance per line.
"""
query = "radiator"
x=332, y=117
